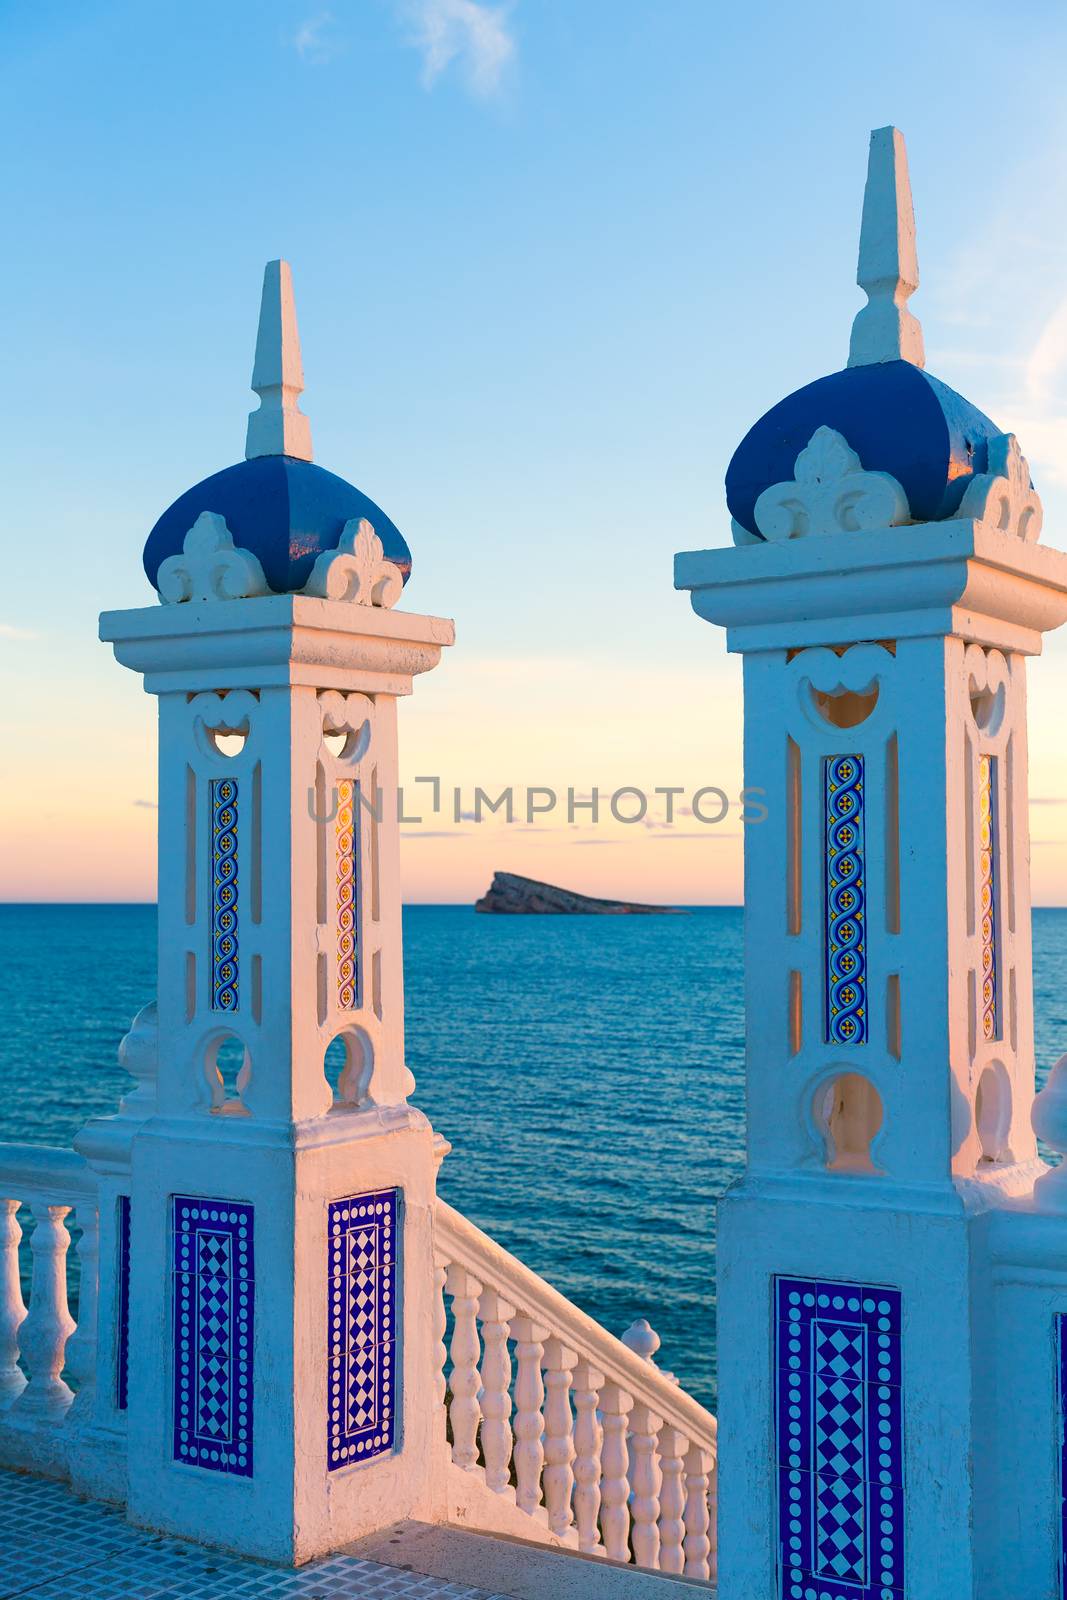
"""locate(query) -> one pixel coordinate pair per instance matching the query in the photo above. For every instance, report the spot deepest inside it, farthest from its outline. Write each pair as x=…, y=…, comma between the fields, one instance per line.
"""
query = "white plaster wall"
x=824, y=1230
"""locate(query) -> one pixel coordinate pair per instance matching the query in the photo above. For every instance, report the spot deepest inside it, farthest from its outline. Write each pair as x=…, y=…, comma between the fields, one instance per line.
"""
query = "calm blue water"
x=588, y=1071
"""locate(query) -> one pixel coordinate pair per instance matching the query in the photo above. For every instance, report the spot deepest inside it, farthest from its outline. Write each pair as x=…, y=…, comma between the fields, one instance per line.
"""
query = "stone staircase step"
x=512, y=1569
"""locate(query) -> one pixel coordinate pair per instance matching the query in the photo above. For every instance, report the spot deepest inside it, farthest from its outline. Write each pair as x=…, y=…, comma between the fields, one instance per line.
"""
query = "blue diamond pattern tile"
x=363, y=1295
x=1060, y=1343
x=841, y=1535
x=840, y=1350
x=214, y=1298
x=838, y=1440
x=839, y=1418
x=122, y=1350
x=803, y=1584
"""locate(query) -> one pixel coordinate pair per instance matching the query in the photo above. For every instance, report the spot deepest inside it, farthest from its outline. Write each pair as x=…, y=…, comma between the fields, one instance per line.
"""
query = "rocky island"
x=517, y=896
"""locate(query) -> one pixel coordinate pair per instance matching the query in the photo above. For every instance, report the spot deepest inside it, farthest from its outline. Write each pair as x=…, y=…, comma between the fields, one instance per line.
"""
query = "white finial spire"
x=279, y=427
x=885, y=329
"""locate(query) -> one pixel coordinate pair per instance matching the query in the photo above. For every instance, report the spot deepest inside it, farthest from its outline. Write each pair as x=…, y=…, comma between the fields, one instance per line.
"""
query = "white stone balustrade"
x=581, y=1434
x=40, y=1342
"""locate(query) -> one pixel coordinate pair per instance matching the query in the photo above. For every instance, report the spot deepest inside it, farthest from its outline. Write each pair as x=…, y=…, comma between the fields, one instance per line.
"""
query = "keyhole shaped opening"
x=347, y=744
x=850, y=1114
x=845, y=708
x=987, y=708
x=228, y=1069
x=992, y=1113
x=228, y=742
x=348, y=1065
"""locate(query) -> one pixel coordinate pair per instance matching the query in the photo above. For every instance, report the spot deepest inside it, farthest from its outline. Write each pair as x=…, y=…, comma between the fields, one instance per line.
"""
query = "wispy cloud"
x=312, y=41
x=470, y=34
x=711, y=832
x=148, y=805
x=1004, y=292
x=8, y=630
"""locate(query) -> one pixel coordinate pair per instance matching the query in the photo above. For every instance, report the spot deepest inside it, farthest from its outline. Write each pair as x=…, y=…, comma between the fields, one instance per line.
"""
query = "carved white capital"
x=1048, y=1116
x=139, y=1056
x=830, y=493
x=1004, y=496
x=210, y=566
x=357, y=570
x=741, y=534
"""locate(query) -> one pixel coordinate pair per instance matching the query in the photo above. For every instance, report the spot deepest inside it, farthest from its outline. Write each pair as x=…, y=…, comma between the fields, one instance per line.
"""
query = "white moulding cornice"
x=958, y=577
x=272, y=640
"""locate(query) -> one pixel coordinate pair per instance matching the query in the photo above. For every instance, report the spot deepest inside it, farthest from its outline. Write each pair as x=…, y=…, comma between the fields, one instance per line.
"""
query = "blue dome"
x=896, y=417
x=284, y=510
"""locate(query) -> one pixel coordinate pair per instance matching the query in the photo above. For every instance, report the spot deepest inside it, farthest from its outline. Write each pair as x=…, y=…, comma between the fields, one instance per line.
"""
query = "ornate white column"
x=885, y=591
x=282, y=1343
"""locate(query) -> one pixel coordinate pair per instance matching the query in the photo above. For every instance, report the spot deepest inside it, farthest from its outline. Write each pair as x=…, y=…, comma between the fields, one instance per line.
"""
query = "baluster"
x=496, y=1391
x=672, y=1447
x=440, y=1325
x=615, y=1405
x=529, y=1398
x=465, y=1412
x=48, y=1323
x=645, y=1485
x=642, y=1338
x=12, y=1308
x=559, y=1435
x=81, y=1351
x=588, y=1438
x=697, y=1546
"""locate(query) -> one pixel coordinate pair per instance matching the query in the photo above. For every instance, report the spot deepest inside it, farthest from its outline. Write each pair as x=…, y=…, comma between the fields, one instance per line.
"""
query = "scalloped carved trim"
x=831, y=493
x=357, y=570
x=1004, y=496
x=210, y=567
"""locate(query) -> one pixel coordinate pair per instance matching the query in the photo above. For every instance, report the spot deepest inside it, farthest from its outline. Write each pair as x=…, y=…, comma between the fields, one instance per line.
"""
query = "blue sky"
x=551, y=261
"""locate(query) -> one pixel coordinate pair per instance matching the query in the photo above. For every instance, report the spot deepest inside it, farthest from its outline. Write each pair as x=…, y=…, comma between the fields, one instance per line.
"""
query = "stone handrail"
x=39, y=1342
x=587, y=1436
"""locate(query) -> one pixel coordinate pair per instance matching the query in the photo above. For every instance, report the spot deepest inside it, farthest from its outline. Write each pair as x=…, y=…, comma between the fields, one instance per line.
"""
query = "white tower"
x=274, y=1229
x=885, y=593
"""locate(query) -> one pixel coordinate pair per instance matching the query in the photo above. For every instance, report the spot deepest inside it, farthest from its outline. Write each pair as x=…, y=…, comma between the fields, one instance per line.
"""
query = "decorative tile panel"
x=224, y=952
x=214, y=1294
x=1061, y=1392
x=987, y=893
x=846, y=901
x=363, y=1294
x=839, y=1441
x=347, y=874
x=122, y=1330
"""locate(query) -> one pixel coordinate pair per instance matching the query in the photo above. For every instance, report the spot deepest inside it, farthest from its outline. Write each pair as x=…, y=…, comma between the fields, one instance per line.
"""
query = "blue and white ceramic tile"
x=122, y=1341
x=224, y=890
x=1061, y=1389
x=838, y=1440
x=214, y=1299
x=846, y=902
x=364, y=1353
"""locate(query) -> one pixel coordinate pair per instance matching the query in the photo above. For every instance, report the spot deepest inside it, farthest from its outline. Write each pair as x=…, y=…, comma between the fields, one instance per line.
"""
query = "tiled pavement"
x=56, y=1547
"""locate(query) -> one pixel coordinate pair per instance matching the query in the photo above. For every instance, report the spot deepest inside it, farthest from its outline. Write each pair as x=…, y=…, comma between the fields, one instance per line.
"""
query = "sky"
x=552, y=258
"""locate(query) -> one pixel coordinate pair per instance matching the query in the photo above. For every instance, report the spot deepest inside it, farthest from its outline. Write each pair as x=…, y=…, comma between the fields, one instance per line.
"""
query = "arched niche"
x=348, y=1064
x=849, y=1114
x=228, y=1071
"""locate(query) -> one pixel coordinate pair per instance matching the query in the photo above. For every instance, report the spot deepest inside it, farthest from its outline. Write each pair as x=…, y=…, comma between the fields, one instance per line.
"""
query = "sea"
x=588, y=1071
